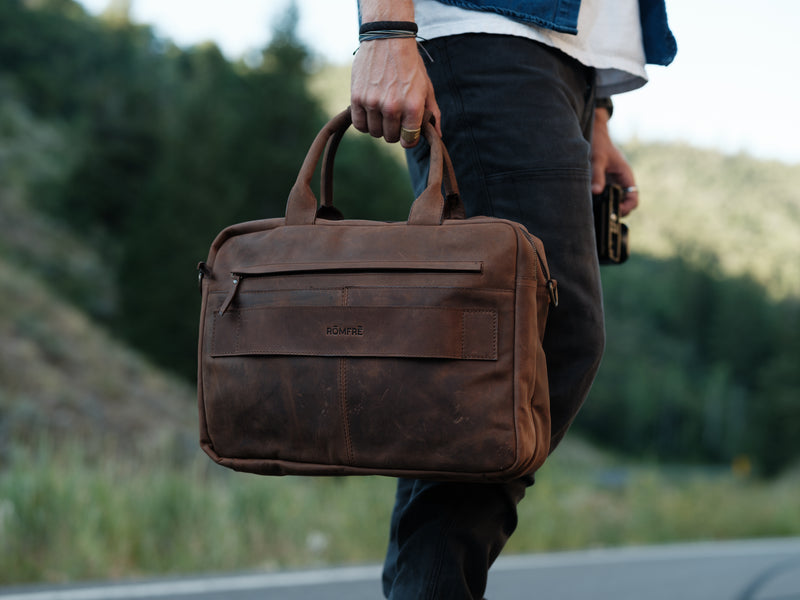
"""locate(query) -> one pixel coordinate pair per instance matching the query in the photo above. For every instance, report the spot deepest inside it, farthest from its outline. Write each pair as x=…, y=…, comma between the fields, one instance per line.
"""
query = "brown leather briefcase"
x=345, y=347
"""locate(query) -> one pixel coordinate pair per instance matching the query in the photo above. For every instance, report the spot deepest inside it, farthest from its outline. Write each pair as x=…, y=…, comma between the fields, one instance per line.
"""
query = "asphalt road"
x=746, y=570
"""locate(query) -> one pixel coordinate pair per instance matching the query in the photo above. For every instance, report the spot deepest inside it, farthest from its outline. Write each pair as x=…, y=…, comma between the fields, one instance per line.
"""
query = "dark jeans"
x=517, y=120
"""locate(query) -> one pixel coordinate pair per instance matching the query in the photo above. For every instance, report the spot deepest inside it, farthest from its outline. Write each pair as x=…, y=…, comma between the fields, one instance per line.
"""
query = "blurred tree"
x=170, y=146
x=696, y=367
x=233, y=141
x=118, y=12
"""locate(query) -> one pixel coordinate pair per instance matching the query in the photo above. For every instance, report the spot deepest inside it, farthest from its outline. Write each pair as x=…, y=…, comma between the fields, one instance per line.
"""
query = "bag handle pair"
x=430, y=208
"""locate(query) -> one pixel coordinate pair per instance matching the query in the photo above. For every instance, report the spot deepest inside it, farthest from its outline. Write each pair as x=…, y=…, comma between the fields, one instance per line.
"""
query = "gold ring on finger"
x=410, y=136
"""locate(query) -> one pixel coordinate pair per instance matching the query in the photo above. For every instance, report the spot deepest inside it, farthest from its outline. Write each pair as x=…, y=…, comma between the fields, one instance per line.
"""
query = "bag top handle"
x=430, y=208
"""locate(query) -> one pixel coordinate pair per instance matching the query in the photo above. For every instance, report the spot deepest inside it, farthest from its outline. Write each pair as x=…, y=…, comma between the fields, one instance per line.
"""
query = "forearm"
x=609, y=164
x=386, y=10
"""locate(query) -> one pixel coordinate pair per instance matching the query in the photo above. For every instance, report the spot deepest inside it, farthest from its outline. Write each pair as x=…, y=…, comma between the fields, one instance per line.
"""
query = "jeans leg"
x=516, y=119
x=445, y=536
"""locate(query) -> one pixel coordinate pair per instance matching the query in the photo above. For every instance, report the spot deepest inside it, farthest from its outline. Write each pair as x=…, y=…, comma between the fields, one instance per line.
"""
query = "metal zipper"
x=236, y=278
x=552, y=287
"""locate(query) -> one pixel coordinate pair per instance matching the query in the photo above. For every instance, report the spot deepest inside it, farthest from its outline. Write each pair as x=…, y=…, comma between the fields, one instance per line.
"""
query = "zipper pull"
x=232, y=294
x=552, y=288
x=202, y=271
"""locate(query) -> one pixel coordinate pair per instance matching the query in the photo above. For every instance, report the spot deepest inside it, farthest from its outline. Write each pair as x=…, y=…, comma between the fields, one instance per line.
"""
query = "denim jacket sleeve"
x=660, y=46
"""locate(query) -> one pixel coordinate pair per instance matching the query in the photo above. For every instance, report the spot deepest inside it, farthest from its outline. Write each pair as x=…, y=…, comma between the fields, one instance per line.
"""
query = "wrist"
x=604, y=105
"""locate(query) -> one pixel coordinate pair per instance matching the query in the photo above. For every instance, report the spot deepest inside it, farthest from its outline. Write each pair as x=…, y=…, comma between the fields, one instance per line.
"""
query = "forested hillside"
x=704, y=320
x=122, y=156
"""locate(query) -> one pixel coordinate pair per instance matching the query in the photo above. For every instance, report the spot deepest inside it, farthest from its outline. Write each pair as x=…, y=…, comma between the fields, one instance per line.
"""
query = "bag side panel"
x=532, y=391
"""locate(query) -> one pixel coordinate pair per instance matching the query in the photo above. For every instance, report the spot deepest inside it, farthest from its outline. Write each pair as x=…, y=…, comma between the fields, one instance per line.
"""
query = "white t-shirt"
x=609, y=37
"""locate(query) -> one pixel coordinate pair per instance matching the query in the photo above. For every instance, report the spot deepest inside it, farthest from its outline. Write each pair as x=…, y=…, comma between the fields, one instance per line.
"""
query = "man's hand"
x=609, y=165
x=390, y=88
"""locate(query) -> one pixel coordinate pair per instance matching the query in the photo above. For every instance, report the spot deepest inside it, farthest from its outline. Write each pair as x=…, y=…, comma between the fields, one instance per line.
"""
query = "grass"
x=653, y=507
x=66, y=517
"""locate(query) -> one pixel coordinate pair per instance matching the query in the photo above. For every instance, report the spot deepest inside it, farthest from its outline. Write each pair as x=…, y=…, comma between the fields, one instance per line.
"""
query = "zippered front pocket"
x=359, y=267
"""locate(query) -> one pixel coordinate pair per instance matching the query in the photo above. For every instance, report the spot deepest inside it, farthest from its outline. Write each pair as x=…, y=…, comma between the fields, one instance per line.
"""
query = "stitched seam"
x=543, y=173
x=238, y=330
x=494, y=334
x=441, y=547
x=369, y=306
x=478, y=356
x=369, y=287
x=463, y=333
x=343, y=396
x=267, y=350
x=214, y=335
x=343, y=408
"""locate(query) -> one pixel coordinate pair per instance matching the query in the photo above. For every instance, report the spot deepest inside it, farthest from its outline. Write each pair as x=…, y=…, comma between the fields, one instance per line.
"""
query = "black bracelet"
x=605, y=103
x=384, y=30
x=408, y=26
x=385, y=35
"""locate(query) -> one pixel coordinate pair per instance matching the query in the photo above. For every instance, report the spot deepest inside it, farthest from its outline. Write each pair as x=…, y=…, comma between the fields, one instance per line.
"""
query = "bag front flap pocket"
x=356, y=331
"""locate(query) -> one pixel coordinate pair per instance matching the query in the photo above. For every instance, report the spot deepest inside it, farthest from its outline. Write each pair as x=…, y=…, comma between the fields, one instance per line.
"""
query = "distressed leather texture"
x=348, y=347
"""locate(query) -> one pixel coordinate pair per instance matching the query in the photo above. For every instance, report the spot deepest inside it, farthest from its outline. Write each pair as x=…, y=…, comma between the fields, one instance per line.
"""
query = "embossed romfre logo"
x=342, y=331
